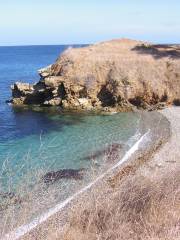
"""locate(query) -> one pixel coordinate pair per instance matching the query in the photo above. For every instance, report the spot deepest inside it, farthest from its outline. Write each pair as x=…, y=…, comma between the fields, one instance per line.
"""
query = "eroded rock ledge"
x=117, y=75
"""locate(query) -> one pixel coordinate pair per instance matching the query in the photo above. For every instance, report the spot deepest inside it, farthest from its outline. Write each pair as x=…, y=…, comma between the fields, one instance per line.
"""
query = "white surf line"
x=24, y=229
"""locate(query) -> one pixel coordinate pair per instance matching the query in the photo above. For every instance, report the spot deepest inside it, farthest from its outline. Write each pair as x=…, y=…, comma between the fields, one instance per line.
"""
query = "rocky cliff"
x=116, y=75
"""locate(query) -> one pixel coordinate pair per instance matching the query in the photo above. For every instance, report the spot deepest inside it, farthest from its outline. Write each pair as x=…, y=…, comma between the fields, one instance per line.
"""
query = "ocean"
x=37, y=141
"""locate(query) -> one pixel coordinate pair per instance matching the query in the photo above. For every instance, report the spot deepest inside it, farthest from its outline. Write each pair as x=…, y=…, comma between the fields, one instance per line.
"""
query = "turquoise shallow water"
x=66, y=145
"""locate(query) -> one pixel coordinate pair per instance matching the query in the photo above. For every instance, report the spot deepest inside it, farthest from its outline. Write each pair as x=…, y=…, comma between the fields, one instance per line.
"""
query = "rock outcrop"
x=117, y=75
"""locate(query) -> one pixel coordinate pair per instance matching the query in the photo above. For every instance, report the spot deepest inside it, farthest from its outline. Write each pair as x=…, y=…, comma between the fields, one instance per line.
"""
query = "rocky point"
x=118, y=75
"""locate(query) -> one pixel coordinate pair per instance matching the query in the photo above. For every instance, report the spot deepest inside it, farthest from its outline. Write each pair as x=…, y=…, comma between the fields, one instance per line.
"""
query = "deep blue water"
x=45, y=139
x=21, y=64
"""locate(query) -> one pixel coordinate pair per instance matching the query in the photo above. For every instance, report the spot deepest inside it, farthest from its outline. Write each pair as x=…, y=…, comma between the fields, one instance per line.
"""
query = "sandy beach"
x=166, y=160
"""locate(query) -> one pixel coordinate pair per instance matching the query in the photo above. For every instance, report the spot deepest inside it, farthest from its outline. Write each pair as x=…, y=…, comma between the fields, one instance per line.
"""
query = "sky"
x=46, y=22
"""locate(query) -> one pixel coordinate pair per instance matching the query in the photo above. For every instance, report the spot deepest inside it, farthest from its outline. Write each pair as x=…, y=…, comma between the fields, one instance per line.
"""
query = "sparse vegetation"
x=135, y=209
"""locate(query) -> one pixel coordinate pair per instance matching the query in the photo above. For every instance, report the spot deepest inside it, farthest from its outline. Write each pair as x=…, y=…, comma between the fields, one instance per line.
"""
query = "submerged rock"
x=52, y=177
x=110, y=154
x=8, y=199
x=7, y=195
x=118, y=75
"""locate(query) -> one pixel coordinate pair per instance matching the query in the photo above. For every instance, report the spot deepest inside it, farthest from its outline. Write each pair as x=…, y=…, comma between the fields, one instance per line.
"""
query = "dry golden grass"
x=28, y=199
x=135, y=209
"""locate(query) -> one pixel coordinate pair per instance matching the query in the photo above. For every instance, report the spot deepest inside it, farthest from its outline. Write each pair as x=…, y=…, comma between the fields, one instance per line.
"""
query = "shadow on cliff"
x=159, y=51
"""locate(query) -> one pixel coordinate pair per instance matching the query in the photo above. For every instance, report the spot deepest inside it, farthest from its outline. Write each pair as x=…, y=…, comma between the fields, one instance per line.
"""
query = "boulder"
x=53, y=102
x=21, y=89
x=45, y=72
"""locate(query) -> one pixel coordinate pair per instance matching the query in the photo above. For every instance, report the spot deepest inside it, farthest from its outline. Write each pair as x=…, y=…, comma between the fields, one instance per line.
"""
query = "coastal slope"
x=117, y=75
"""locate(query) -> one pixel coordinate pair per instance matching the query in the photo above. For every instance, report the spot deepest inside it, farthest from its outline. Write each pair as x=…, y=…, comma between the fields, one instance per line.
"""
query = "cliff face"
x=118, y=75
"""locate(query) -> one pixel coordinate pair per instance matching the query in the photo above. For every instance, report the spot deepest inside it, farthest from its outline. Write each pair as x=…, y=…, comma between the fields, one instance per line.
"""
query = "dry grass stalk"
x=136, y=209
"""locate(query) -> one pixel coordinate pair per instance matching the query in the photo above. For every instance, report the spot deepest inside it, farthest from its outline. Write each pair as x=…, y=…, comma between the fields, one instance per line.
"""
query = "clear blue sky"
x=26, y=22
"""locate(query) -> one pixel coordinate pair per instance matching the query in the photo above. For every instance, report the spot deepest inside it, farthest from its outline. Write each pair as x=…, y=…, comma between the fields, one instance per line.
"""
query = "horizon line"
x=38, y=45
x=90, y=43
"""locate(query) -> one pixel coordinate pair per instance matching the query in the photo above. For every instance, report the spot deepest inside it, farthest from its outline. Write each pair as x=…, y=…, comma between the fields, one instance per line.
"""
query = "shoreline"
x=132, y=158
x=25, y=229
x=166, y=160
